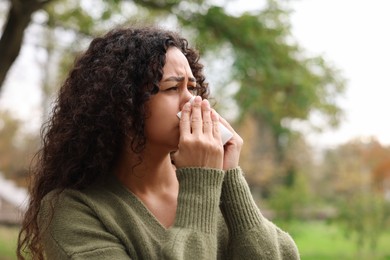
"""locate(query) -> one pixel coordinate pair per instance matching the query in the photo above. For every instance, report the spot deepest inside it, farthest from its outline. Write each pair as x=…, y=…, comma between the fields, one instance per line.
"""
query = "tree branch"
x=18, y=18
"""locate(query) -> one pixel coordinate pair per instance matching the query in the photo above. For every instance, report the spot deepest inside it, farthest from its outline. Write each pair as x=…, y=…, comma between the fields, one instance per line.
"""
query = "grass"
x=8, y=238
x=321, y=241
x=315, y=241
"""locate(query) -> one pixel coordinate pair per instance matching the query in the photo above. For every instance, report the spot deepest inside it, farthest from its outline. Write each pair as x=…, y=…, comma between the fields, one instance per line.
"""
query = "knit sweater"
x=216, y=218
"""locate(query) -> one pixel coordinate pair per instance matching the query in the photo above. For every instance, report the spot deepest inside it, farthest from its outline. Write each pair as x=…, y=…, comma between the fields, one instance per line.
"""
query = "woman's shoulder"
x=95, y=208
x=79, y=221
x=66, y=205
x=97, y=197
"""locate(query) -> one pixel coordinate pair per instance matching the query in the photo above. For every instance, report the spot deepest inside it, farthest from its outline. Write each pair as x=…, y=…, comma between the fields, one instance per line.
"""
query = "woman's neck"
x=153, y=181
x=154, y=173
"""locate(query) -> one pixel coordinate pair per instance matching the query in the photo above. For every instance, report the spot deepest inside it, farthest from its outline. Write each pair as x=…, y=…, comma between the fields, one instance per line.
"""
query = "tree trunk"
x=18, y=18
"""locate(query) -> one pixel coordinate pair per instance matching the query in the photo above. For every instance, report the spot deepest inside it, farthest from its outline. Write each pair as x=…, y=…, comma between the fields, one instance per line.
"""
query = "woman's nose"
x=185, y=98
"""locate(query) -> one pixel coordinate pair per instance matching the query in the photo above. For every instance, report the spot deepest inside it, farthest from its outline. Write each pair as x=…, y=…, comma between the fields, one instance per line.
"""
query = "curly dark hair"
x=99, y=106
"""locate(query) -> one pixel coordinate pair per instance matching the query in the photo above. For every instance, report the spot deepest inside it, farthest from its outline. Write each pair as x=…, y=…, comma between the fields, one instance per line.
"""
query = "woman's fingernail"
x=198, y=99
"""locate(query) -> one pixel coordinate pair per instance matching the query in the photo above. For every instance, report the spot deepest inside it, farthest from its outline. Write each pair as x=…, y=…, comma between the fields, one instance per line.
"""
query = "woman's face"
x=176, y=87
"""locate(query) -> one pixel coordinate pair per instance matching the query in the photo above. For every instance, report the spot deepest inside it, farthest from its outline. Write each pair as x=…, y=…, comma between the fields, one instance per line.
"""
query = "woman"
x=121, y=177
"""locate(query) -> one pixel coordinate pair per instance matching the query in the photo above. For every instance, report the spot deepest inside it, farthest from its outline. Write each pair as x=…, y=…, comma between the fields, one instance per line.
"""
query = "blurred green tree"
x=354, y=180
x=278, y=85
x=365, y=218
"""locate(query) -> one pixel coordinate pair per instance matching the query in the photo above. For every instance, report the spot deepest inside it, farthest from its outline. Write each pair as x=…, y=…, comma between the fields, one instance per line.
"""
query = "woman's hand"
x=232, y=148
x=200, y=142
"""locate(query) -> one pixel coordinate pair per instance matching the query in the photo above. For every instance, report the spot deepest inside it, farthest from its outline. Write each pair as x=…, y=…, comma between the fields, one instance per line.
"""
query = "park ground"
x=316, y=240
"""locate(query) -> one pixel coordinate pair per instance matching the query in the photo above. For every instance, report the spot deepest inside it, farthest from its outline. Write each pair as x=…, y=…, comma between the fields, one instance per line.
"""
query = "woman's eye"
x=172, y=89
x=193, y=90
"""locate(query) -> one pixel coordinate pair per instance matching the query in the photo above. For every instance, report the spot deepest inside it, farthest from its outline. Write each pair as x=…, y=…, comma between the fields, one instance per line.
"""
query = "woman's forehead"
x=176, y=64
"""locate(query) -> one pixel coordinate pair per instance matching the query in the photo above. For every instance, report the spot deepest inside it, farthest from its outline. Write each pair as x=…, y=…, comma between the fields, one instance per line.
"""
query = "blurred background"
x=304, y=82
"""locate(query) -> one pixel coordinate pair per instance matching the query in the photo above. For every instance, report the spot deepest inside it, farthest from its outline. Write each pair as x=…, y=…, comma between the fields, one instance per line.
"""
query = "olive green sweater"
x=216, y=219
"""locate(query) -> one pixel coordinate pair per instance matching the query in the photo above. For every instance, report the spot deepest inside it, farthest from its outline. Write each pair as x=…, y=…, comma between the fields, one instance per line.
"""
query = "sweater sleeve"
x=193, y=235
x=251, y=235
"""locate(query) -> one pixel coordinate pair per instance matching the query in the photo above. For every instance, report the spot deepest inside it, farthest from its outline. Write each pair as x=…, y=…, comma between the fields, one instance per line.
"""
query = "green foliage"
x=353, y=178
x=365, y=217
x=77, y=15
x=277, y=81
x=289, y=201
x=277, y=84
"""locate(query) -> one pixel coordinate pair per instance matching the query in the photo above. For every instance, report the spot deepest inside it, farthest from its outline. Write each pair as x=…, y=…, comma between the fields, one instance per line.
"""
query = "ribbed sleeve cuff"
x=237, y=205
x=199, y=197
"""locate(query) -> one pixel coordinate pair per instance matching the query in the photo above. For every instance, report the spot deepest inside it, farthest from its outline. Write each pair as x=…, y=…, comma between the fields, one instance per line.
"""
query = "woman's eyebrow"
x=179, y=79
